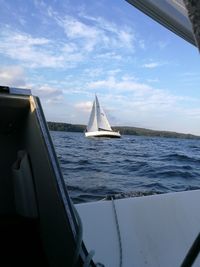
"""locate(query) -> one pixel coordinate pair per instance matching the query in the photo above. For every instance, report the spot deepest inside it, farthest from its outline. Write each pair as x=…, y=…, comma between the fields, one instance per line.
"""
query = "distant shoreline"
x=124, y=130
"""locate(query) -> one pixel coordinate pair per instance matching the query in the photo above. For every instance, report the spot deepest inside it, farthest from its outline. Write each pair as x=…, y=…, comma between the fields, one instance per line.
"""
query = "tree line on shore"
x=124, y=130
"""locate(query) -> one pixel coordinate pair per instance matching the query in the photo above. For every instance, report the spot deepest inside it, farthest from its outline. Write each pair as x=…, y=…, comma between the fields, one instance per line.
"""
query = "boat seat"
x=23, y=184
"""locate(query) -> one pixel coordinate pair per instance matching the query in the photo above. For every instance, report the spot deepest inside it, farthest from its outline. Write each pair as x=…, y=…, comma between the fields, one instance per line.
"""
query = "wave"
x=130, y=167
x=179, y=157
x=176, y=173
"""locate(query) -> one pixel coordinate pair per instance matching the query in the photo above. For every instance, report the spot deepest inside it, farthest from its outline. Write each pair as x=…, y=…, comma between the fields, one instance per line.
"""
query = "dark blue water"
x=129, y=166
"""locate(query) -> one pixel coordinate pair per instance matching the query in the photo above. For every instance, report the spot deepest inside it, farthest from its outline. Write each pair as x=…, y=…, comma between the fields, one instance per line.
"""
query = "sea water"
x=130, y=166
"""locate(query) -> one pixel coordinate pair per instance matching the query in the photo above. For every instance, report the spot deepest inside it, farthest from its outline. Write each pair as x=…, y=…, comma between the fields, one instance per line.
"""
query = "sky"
x=68, y=51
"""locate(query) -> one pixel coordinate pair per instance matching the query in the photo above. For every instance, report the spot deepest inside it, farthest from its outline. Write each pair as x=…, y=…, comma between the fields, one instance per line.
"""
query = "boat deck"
x=156, y=231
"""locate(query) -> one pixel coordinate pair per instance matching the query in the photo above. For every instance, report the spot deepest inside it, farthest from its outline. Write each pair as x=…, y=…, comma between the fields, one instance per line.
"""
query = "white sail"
x=98, y=125
x=92, y=124
x=102, y=120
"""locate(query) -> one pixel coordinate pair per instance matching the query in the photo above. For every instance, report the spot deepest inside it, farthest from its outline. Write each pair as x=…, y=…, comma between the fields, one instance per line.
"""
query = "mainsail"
x=98, y=119
x=92, y=124
x=102, y=120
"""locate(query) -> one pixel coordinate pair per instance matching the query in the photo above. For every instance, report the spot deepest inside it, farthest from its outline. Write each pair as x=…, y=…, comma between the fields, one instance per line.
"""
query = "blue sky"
x=66, y=51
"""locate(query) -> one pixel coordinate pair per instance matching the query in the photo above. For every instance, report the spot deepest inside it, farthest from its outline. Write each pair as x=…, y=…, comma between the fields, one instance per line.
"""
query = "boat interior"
x=34, y=228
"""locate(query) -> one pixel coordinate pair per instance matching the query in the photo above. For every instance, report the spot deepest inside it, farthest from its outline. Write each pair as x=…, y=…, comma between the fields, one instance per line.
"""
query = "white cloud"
x=37, y=52
x=162, y=44
x=76, y=29
x=22, y=21
x=114, y=72
x=84, y=106
x=142, y=44
x=159, y=111
x=190, y=74
x=126, y=38
x=115, y=34
x=124, y=85
x=19, y=38
x=193, y=113
x=153, y=80
x=155, y=108
x=108, y=56
x=15, y=76
x=93, y=72
x=12, y=76
x=48, y=94
x=57, y=99
x=84, y=38
x=95, y=33
x=152, y=65
x=190, y=77
x=137, y=95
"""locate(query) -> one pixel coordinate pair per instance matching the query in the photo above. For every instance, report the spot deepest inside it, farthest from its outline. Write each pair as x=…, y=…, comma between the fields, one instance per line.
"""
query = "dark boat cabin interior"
x=34, y=228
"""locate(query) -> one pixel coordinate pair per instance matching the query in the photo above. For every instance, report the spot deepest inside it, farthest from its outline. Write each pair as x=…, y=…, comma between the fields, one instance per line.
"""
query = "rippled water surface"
x=132, y=165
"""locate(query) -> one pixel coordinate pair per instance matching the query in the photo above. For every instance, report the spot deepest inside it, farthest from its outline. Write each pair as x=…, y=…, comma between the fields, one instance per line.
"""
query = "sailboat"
x=98, y=125
x=40, y=226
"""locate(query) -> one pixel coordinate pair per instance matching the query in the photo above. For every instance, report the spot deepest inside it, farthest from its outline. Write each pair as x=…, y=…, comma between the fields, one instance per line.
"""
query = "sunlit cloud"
x=125, y=84
x=193, y=113
x=84, y=106
x=163, y=44
x=12, y=76
x=114, y=72
x=139, y=95
x=142, y=44
x=152, y=65
x=93, y=72
x=48, y=94
x=37, y=52
x=190, y=76
x=15, y=76
x=108, y=56
x=120, y=36
x=94, y=33
x=153, y=80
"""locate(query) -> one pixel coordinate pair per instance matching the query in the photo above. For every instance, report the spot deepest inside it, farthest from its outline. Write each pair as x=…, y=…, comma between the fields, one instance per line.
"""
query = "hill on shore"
x=124, y=130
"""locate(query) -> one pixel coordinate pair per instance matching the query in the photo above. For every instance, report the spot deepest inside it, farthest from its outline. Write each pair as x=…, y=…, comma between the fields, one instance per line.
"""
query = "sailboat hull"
x=107, y=134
